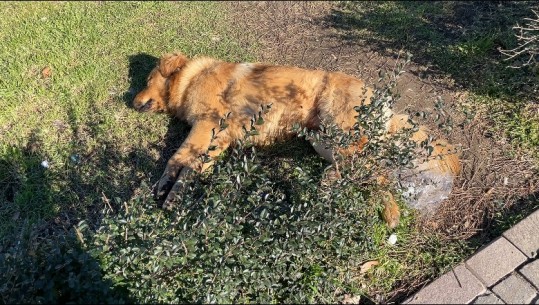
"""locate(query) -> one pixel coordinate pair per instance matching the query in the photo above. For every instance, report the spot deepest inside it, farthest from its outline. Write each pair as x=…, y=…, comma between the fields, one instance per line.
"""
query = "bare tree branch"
x=528, y=42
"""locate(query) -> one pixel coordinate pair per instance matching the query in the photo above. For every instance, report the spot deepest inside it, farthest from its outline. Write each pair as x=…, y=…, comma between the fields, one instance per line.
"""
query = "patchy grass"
x=69, y=142
x=460, y=40
x=68, y=74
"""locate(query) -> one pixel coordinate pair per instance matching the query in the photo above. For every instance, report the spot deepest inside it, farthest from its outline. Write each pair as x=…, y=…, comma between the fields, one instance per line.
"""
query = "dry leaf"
x=46, y=72
x=367, y=266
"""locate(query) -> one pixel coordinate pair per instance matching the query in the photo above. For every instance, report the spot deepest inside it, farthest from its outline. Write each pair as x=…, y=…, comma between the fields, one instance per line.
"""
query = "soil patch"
x=496, y=178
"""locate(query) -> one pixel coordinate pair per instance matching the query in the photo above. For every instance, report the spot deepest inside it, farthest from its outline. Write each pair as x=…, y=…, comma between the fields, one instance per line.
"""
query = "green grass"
x=97, y=53
x=101, y=152
x=78, y=119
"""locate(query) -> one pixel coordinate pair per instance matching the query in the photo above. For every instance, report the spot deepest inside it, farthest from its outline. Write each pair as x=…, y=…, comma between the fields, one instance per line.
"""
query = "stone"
x=515, y=290
x=525, y=235
x=488, y=298
x=458, y=286
x=495, y=261
x=531, y=272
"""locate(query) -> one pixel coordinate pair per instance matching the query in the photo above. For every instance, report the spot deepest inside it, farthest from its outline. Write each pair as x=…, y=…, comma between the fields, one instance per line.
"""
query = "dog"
x=203, y=90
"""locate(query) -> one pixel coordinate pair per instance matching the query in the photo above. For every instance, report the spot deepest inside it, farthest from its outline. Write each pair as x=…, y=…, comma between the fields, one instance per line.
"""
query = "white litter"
x=392, y=239
x=45, y=163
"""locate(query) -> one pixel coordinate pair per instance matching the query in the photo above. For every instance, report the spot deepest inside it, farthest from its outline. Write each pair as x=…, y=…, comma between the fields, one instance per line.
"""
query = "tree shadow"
x=54, y=269
x=495, y=226
x=456, y=38
x=40, y=257
x=41, y=202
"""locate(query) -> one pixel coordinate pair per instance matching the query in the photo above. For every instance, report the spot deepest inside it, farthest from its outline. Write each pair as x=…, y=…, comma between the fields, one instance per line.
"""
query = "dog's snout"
x=146, y=106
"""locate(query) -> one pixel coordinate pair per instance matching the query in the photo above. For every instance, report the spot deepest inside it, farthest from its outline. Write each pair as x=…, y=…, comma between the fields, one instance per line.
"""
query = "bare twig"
x=106, y=200
x=528, y=42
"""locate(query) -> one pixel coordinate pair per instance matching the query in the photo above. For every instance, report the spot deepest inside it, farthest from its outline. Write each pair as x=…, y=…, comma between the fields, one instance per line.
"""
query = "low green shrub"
x=236, y=236
x=242, y=233
x=53, y=270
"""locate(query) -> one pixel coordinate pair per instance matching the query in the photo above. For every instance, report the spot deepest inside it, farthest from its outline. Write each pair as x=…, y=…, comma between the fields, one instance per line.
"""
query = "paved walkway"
x=504, y=271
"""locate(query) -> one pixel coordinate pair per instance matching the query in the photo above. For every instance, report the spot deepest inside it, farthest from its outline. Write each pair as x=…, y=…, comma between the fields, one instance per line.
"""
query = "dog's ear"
x=170, y=63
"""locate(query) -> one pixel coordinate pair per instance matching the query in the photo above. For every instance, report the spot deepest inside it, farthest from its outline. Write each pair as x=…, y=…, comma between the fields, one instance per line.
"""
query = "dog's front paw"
x=176, y=189
x=164, y=185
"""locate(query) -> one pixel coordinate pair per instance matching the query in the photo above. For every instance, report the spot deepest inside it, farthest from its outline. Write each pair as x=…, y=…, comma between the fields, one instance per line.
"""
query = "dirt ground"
x=495, y=178
x=497, y=181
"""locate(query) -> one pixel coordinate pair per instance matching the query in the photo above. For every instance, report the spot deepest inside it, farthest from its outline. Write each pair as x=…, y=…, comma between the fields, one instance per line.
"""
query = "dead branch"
x=528, y=42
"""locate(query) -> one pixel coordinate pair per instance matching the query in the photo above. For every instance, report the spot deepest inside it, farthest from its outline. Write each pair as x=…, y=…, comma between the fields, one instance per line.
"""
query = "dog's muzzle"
x=146, y=106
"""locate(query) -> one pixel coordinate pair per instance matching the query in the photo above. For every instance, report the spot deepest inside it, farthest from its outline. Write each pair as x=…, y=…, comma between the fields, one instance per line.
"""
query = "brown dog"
x=203, y=90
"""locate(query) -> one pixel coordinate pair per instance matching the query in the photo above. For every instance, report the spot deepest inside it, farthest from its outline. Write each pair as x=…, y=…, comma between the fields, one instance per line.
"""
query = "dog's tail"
x=443, y=157
x=431, y=180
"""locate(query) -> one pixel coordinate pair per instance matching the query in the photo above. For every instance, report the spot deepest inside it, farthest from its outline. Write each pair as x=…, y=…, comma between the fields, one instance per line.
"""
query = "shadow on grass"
x=505, y=219
x=54, y=269
x=41, y=258
x=140, y=66
x=455, y=38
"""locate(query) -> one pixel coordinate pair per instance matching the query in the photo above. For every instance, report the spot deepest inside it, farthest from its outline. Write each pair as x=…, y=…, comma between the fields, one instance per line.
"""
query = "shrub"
x=239, y=234
x=237, y=238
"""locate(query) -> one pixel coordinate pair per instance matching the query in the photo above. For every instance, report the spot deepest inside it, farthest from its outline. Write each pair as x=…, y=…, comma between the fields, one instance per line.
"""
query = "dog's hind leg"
x=431, y=180
x=391, y=213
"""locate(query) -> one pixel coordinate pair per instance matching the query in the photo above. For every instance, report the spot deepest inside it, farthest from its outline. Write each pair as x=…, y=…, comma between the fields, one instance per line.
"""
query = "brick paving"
x=506, y=271
x=488, y=298
x=501, y=254
x=515, y=290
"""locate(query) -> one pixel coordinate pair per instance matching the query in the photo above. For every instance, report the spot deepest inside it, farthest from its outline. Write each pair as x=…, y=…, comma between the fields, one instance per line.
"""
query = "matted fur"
x=203, y=90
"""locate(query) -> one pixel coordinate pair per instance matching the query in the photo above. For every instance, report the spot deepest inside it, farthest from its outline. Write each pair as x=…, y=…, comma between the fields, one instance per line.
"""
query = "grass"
x=77, y=118
x=69, y=71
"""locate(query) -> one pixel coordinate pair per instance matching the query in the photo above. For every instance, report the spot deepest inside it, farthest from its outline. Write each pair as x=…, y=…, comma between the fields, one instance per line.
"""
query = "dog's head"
x=155, y=96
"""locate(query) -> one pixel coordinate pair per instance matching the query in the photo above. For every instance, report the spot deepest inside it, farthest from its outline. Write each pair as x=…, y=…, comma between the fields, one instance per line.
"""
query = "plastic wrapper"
x=424, y=190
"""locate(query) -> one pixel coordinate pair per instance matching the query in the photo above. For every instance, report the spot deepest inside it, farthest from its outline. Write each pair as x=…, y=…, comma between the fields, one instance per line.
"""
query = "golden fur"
x=203, y=90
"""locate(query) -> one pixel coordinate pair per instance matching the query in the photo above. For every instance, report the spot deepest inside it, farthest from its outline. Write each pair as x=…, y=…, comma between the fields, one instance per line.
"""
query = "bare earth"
x=299, y=34
x=494, y=175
